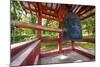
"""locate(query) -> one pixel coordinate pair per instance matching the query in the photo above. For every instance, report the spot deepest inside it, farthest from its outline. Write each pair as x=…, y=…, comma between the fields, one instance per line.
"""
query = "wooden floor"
x=67, y=57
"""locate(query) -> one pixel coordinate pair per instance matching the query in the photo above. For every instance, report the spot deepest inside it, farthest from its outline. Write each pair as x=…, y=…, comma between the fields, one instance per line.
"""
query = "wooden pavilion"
x=28, y=53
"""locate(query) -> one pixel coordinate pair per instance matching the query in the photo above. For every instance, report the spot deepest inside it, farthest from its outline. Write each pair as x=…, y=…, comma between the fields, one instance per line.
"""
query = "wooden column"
x=39, y=23
x=73, y=44
x=60, y=40
x=61, y=13
x=39, y=19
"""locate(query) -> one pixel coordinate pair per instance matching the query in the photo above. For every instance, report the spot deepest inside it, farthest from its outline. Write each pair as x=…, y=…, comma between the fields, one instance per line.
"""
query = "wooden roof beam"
x=49, y=39
x=82, y=9
x=43, y=12
x=62, y=10
x=30, y=8
x=78, y=9
x=85, y=11
x=23, y=6
x=92, y=14
x=56, y=7
x=48, y=8
x=75, y=9
x=47, y=17
x=51, y=6
x=49, y=13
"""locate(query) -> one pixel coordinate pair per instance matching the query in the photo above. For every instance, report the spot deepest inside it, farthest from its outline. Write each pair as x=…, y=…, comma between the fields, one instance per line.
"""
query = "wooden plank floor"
x=67, y=57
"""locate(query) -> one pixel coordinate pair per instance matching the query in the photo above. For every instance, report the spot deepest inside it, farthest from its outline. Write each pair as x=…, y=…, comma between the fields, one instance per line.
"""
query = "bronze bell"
x=72, y=29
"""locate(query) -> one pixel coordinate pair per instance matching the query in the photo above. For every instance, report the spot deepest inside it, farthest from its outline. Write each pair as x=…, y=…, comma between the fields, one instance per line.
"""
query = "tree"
x=21, y=34
x=89, y=26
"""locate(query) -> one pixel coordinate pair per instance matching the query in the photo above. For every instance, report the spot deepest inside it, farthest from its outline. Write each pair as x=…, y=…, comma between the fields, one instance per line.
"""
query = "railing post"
x=39, y=19
x=72, y=44
x=60, y=40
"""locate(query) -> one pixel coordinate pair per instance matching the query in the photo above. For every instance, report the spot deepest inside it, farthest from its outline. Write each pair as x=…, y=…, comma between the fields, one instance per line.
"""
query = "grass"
x=52, y=46
x=48, y=46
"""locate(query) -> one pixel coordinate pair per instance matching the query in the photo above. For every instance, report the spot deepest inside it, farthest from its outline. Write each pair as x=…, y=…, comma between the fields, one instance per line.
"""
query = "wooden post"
x=73, y=44
x=39, y=23
x=61, y=12
x=60, y=43
x=60, y=40
x=39, y=19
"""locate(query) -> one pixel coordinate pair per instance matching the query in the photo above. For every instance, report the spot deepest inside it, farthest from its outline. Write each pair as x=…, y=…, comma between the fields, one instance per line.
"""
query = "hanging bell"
x=72, y=29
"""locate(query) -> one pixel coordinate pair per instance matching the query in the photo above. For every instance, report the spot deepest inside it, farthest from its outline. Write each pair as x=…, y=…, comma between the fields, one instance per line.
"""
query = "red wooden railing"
x=82, y=52
x=26, y=54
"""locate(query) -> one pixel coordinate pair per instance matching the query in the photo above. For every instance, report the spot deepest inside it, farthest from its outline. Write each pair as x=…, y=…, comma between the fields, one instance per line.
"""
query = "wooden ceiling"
x=54, y=11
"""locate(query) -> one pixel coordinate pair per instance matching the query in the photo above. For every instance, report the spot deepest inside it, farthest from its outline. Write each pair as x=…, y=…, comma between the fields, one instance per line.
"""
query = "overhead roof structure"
x=55, y=11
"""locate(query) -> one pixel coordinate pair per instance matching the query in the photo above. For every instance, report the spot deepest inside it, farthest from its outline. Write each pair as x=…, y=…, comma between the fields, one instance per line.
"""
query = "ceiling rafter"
x=86, y=11
x=75, y=8
x=53, y=12
x=30, y=8
x=82, y=9
x=91, y=14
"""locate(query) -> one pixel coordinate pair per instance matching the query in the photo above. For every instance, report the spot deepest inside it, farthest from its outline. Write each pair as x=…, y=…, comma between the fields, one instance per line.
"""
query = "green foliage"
x=88, y=27
x=21, y=35
x=33, y=19
x=17, y=13
x=48, y=46
x=87, y=45
x=50, y=24
x=16, y=10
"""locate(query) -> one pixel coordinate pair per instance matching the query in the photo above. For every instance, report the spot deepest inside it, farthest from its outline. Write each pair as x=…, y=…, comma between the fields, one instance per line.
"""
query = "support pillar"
x=39, y=20
x=73, y=44
x=39, y=23
x=62, y=10
x=60, y=40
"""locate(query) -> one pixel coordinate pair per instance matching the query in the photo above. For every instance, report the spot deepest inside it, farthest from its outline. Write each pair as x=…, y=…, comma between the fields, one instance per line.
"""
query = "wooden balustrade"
x=91, y=40
x=26, y=55
x=34, y=26
x=84, y=53
x=49, y=39
x=15, y=48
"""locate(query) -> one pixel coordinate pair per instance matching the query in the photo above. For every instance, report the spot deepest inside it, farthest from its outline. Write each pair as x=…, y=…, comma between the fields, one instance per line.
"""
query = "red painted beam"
x=31, y=59
x=34, y=26
x=53, y=52
x=60, y=39
x=90, y=56
x=17, y=48
x=75, y=9
x=48, y=17
x=49, y=13
x=49, y=40
x=61, y=12
x=92, y=14
x=86, y=11
x=47, y=8
x=30, y=8
x=92, y=40
x=39, y=19
x=82, y=9
x=34, y=10
x=28, y=55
